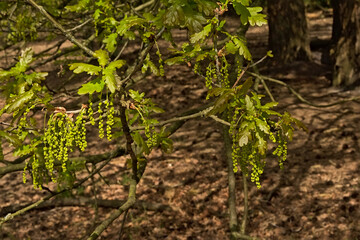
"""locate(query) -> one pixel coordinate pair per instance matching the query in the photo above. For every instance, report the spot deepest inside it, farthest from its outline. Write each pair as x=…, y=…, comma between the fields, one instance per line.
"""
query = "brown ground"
x=316, y=196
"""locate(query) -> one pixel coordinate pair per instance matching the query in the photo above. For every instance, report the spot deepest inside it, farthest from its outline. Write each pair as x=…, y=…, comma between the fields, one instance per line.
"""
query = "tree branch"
x=129, y=142
x=94, y=159
x=67, y=34
x=143, y=55
x=84, y=202
x=231, y=181
x=302, y=99
x=128, y=204
x=34, y=205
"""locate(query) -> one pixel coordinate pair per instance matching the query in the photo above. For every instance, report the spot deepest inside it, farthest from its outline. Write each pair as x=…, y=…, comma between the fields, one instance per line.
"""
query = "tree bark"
x=288, y=32
x=346, y=36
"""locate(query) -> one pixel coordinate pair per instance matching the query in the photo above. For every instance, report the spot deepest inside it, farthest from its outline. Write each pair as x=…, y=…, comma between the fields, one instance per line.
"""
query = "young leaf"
x=243, y=50
x=244, y=139
x=263, y=126
x=102, y=56
x=244, y=88
x=249, y=105
x=242, y=11
x=84, y=67
x=110, y=42
x=200, y=36
x=96, y=85
x=19, y=101
x=255, y=17
x=109, y=79
x=116, y=64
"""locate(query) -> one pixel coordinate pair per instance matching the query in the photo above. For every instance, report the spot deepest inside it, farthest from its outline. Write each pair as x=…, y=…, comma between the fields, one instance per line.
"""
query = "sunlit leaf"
x=109, y=79
x=200, y=36
x=110, y=42
x=84, y=67
x=19, y=101
x=102, y=56
x=255, y=17
x=96, y=85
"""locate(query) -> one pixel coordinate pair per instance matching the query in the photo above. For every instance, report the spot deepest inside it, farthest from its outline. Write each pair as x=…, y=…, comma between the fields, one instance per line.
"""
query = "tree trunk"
x=346, y=52
x=288, y=32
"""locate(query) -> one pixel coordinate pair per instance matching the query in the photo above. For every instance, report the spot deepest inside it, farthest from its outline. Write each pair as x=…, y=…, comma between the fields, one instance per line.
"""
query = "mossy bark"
x=346, y=38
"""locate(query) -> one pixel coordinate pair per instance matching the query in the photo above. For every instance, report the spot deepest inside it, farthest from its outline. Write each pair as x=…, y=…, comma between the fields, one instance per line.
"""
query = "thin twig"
x=79, y=26
x=122, y=50
x=240, y=76
x=302, y=99
x=123, y=224
x=201, y=113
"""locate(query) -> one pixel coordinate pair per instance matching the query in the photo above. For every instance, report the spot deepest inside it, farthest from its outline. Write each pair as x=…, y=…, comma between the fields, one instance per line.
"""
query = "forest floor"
x=315, y=196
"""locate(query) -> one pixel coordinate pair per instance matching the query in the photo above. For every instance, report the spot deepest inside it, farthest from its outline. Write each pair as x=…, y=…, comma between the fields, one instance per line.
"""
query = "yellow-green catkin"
x=101, y=121
x=90, y=112
x=110, y=118
x=224, y=73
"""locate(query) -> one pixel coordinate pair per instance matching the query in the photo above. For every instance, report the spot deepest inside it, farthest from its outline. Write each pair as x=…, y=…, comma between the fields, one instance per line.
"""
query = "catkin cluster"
x=61, y=136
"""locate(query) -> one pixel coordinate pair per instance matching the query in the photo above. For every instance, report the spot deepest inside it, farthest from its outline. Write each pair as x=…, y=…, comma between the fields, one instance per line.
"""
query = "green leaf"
x=157, y=110
x=102, y=56
x=201, y=36
x=269, y=105
x=79, y=6
x=141, y=144
x=244, y=139
x=206, y=6
x=269, y=53
x=127, y=22
x=243, y=50
x=138, y=97
x=242, y=11
x=263, y=126
x=109, y=79
x=96, y=85
x=110, y=42
x=84, y=67
x=230, y=47
x=262, y=144
x=174, y=16
x=243, y=2
x=35, y=77
x=174, y=60
x=300, y=124
x=244, y=88
x=116, y=64
x=167, y=145
x=25, y=59
x=23, y=150
x=19, y=101
x=11, y=138
x=249, y=105
x=194, y=21
x=255, y=17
